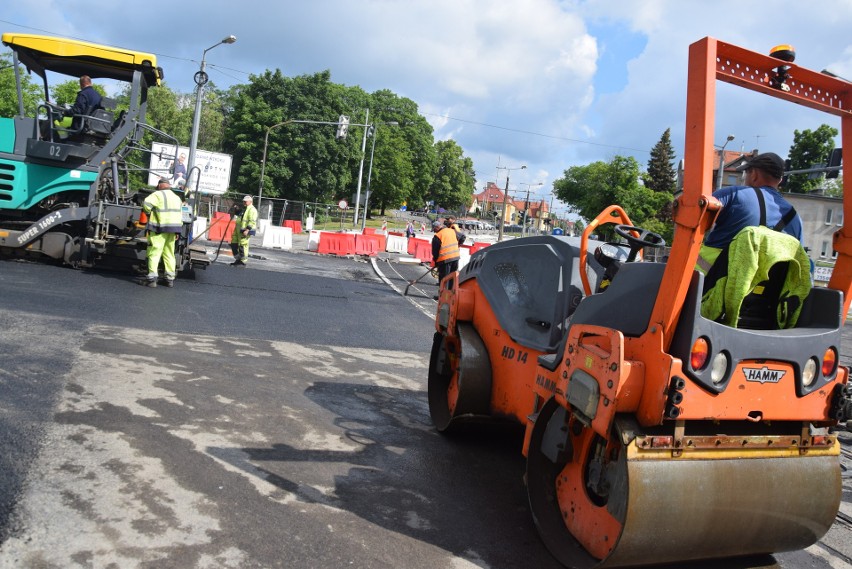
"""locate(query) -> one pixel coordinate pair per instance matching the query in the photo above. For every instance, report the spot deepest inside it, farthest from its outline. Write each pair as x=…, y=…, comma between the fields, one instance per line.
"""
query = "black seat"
x=759, y=306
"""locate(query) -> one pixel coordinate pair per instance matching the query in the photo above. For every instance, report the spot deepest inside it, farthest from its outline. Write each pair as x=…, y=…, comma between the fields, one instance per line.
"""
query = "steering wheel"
x=646, y=239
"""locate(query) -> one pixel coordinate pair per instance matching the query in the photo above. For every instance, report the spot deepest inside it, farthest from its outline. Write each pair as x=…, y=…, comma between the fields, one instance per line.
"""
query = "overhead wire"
x=220, y=69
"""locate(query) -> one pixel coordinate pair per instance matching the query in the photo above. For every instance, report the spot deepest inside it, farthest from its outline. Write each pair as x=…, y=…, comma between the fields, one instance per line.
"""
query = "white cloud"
x=520, y=74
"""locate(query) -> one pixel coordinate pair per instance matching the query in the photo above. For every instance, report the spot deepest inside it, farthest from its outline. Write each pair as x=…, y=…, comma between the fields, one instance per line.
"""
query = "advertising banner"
x=215, y=168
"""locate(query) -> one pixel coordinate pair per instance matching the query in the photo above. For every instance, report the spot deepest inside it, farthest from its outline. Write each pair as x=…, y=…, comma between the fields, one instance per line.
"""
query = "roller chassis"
x=634, y=454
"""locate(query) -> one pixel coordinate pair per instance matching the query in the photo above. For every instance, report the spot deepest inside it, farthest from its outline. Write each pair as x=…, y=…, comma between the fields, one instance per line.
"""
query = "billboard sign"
x=215, y=167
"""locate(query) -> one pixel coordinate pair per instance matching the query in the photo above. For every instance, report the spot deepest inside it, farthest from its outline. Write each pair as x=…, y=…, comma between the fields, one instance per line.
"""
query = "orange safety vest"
x=449, y=245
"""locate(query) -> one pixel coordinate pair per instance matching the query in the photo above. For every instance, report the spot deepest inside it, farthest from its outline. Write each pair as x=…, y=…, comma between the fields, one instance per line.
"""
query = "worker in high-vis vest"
x=246, y=225
x=445, y=250
x=163, y=209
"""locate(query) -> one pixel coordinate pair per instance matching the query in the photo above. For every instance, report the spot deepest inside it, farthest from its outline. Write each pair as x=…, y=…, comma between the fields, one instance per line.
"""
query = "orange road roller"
x=654, y=434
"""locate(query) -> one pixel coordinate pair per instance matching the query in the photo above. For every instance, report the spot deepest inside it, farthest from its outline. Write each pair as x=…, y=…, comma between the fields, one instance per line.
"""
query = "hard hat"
x=247, y=198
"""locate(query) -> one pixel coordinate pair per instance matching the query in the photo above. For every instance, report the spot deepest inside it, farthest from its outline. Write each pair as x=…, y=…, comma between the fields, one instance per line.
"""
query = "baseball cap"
x=437, y=223
x=247, y=198
x=164, y=181
x=769, y=162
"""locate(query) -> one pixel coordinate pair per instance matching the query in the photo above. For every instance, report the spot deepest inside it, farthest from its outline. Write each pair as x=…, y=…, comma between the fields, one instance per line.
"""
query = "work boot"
x=238, y=263
x=148, y=283
x=170, y=283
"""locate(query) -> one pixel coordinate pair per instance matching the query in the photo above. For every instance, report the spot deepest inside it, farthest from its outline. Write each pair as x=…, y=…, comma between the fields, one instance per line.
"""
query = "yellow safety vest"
x=164, y=212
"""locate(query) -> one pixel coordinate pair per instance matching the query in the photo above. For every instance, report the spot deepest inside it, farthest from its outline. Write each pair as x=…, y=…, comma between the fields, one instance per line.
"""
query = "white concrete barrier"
x=199, y=226
x=278, y=237
x=262, y=224
x=397, y=244
x=313, y=240
x=464, y=257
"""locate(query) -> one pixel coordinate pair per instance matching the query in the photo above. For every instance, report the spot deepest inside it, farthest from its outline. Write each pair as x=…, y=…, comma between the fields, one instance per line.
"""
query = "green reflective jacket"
x=163, y=210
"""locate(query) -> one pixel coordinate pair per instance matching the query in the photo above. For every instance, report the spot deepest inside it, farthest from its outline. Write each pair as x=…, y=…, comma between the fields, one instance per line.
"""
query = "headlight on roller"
x=809, y=372
x=719, y=369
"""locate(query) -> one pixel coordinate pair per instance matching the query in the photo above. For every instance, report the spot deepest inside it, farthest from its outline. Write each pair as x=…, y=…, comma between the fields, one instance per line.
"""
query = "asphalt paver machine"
x=64, y=188
x=652, y=434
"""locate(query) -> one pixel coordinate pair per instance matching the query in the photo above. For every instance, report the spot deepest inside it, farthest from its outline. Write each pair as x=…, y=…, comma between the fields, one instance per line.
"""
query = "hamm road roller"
x=654, y=434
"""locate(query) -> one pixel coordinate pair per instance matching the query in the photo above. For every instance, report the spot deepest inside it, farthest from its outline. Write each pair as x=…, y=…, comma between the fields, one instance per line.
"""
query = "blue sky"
x=548, y=84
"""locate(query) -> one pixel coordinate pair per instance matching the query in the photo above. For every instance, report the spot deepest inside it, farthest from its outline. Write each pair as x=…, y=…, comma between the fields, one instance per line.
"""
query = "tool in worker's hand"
x=431, y=271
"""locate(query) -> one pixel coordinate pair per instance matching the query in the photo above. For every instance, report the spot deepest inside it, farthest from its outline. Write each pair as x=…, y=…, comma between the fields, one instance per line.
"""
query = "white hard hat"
x=247, y=198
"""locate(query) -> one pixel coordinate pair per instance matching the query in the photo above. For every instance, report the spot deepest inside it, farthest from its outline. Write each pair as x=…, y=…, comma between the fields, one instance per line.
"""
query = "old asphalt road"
x=272, y=416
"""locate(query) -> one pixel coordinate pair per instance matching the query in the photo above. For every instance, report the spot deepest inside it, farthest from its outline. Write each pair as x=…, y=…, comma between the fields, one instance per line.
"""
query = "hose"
x=219, y=246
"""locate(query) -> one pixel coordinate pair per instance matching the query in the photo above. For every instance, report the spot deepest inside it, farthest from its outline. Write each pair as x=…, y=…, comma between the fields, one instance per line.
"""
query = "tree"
x=164, y=114
x=403, y=156
x=833, y=188
x=661, y=175
x=303, y=161
x=306, y=161
x=594, y=187
x=65, y=93
x=32, y=93
x=453, y=182
x=809, y=149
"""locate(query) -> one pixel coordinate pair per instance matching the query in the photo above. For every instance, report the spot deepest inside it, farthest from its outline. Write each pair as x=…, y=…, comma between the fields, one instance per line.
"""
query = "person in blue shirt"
x=741, y=207
x=88, y=99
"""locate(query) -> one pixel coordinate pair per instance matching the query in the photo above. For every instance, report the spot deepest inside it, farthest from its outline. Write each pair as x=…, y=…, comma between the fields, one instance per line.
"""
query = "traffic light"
x=834, y=160
x=342, y=127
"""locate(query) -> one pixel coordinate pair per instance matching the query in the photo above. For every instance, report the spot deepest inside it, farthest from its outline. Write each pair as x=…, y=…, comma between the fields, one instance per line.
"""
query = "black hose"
x=219, y=247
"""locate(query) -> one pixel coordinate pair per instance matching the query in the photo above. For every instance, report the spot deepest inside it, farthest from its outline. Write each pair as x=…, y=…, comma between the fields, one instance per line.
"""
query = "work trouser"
x=240, y=246
x=161, y=245
x=447, y=267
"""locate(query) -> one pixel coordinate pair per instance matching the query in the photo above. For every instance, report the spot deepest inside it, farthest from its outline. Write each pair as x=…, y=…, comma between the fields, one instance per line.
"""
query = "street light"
x=374, y=129
x=527, y=204
x=266, y=146
x=361, y=167
x=201, y=79
x=722, y=161
x=263, y=160
x=505, y=199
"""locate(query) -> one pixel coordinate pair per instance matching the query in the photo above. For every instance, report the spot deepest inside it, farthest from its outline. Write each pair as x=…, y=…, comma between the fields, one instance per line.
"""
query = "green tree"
x=453, y=182
x=32, y=93
x=306, y=161
x=164, y=114
x=65, y=93
x=592, y=188
x=661, y=175
x=303, y=161
x=834, y=188
x=405, y=154
x=809, y=148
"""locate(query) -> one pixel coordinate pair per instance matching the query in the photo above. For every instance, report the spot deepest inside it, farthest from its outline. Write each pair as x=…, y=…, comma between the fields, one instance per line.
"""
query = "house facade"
x=821, y=217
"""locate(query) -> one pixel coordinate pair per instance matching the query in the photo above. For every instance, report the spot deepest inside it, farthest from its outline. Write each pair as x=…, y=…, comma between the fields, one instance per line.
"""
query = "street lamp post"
x=266, y=146
x=505, y=199
x=263, y=160
x=722, y=162
x=361, y=167
x=527, y=204
x=200, y=80
x=375, y=130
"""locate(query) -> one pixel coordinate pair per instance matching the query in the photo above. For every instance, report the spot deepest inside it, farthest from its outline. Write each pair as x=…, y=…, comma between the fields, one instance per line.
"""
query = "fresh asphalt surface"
x=272, y=416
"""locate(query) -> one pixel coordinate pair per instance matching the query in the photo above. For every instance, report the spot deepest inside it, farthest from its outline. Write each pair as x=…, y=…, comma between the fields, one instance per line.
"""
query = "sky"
x=546, y=84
